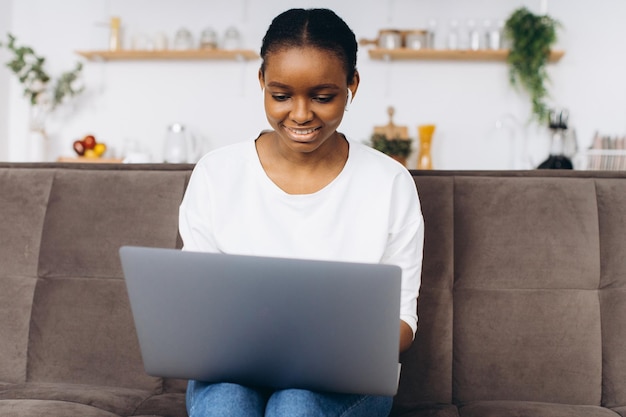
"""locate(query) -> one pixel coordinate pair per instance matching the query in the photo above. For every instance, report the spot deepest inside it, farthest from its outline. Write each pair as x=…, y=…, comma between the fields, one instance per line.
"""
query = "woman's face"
x=305, y=96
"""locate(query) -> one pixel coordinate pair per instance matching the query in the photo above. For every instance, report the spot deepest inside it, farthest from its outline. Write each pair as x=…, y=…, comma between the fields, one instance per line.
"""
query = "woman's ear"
x=348, y=100
x=354, y=85
x=261, y=80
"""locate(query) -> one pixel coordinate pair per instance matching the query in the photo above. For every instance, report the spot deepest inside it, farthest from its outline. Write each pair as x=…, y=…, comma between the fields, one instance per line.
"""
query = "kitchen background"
x=481, y=121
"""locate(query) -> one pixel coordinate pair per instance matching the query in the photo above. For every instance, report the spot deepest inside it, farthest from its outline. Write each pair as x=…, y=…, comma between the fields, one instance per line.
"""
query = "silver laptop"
x=268, y=322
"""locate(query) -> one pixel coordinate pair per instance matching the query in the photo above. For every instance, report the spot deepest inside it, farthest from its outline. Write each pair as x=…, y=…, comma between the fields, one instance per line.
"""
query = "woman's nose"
x=301, y=111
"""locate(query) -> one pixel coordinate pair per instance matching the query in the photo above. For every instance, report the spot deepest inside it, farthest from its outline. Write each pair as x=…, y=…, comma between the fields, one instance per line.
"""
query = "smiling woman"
x=304, y=104
x=305, y=191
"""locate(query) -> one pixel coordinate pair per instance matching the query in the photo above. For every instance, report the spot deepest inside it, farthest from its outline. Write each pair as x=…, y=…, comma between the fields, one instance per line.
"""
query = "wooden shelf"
x=170, y=55
x=82, y=159
x=448, y=55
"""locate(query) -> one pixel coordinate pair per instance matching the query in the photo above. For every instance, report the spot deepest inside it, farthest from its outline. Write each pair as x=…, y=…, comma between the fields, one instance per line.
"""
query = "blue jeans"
x=224, y=400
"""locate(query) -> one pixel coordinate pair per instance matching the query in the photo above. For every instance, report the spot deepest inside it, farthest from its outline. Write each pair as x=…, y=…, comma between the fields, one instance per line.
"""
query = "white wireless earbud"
x=349, y=99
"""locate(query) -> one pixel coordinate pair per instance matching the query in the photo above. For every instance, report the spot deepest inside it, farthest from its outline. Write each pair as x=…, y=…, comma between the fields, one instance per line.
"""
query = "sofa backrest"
x=524, y=289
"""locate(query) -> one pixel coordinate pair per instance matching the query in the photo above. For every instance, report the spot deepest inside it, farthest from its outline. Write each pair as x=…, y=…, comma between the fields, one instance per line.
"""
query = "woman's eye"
x=323, y=99
x=280, y=97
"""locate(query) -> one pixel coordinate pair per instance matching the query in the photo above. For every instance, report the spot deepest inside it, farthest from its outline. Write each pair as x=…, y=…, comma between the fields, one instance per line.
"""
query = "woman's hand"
x=406, y=336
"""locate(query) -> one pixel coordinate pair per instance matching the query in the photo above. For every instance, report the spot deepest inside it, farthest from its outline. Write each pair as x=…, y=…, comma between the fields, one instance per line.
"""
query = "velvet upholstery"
x=522, y=310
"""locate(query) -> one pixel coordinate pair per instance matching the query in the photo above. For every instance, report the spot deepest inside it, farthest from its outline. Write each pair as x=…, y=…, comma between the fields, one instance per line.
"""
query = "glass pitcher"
x=176, y=145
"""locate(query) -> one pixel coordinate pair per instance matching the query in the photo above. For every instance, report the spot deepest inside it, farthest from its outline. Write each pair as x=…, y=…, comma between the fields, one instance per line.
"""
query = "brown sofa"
x=522, y=308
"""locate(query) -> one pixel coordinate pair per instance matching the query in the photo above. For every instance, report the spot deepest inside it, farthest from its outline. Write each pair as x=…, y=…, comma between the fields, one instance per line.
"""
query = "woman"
x=303, y=190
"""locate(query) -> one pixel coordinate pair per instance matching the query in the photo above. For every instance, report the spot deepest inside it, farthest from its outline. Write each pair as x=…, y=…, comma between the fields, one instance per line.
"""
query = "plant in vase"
x=397, y=148
x=44, y=93
x=531, y=37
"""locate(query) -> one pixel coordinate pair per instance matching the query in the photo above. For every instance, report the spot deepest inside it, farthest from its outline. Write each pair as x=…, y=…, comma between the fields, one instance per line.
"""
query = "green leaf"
x=532, y=37
x=30, y=72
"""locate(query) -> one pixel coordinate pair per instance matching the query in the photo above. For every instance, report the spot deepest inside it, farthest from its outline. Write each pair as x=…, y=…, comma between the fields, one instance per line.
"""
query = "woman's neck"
x=302, y=172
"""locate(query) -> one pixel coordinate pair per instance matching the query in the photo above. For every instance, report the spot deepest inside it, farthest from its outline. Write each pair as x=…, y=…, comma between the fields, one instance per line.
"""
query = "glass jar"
x=208, y=39
x=232, y=39
x=183, y=39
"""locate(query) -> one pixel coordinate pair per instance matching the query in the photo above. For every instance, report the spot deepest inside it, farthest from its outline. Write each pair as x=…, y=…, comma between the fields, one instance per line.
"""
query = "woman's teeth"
x=302, y=131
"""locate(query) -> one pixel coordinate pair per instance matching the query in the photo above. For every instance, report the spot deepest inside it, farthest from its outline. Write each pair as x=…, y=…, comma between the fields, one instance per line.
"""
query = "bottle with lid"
x=473, y=35
x=453, y=35
x=115, y=39
x=495, y=36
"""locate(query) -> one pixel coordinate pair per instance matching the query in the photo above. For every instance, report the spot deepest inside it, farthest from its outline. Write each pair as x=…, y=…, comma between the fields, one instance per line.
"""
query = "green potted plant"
x=44, y=93
x=397, y=148
x=531, y=37
x=29, y=68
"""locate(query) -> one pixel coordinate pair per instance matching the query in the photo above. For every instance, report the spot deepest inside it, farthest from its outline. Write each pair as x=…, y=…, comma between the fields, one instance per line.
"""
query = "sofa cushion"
x=620, y=410
x=533, y=345
x=82, y=329
x=526, y=233
x=38, y=408
x=531, y=409
x=611, y=201
x=16, y=297
x=92, y=214
x=613, y=302
x=83, y=332
x=113, y=400
x=170, y=405
x=426, y=376
x=526, y=305
x=427, y=410
x=23, y=201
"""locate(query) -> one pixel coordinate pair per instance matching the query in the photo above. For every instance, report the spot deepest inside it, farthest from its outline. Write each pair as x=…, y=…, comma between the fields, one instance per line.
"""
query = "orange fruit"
x=100, y=148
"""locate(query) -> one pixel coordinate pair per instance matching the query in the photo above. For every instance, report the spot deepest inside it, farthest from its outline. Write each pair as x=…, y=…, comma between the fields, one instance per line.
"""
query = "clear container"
x=208, y=39
x=232, y=39
x=183, y=39
x=453, y=35
x=473, y=35
x=494, y=37
x=431, y=34
x=160, y=41
x=389, y=39
x=176, y=150
x=416, y=39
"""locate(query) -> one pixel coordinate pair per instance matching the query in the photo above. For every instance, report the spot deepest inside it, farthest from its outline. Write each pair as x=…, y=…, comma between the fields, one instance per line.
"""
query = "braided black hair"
x=320, y=28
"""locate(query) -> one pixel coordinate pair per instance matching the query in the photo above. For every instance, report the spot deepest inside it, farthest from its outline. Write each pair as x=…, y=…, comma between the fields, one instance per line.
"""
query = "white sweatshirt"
x=369, y=213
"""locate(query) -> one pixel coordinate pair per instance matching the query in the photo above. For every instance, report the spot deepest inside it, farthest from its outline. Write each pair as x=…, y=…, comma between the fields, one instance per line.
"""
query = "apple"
x=79, y=147
x=89, y=141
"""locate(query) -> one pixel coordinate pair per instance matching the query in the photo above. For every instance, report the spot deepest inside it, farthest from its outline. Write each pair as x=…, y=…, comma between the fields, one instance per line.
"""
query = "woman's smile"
x=302, y=134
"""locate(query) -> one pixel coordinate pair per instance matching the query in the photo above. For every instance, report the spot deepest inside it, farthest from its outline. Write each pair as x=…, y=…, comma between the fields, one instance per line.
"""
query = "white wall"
x=5, y=15
x=221, y=101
